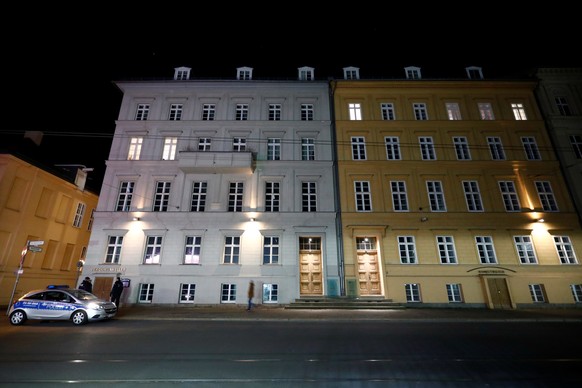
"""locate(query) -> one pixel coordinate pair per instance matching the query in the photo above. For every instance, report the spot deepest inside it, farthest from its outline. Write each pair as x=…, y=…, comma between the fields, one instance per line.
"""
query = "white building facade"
x=211, y=184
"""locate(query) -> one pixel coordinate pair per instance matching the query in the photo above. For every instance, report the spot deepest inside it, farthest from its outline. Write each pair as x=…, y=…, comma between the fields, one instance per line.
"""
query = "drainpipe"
x=336, y=195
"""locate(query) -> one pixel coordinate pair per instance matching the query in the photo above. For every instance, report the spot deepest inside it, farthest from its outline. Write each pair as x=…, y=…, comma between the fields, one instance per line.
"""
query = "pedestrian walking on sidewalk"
x=251, y=295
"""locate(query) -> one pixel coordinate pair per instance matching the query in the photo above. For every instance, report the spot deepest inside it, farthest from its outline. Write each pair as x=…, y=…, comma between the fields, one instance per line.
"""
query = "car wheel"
x=17, y=317
x=79, y=317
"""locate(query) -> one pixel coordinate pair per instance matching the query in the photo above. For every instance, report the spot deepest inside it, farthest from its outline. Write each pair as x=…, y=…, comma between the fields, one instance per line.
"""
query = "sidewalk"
x=218, y=313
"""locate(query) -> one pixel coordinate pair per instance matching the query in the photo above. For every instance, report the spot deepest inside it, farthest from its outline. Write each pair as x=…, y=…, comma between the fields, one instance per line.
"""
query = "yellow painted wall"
x=37, y=205
x=425, y=225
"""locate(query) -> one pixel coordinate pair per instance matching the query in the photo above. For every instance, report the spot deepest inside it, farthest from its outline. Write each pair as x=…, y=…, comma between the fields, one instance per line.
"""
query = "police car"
x=61, y=303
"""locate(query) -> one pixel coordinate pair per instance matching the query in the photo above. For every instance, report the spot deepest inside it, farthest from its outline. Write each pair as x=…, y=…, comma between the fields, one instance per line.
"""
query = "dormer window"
x=182, y=73
x=351, y=73
x=412, y=72
x=306, y=73
x=474, y=72
x=244, y=73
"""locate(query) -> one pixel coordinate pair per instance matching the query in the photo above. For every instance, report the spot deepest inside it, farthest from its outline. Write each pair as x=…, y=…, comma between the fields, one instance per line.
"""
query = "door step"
x=376, y=303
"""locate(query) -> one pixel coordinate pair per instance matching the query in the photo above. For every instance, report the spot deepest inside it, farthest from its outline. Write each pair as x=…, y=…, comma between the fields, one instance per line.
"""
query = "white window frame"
x=496, y=148
x=485, y=249
x=235, y=196
x=565, y=250
x=198, y=197
x=113, y=251
x=530, y=147
x=436, y=196
x=270, y=293
x=273, y=149
x=525, y=249
x=192, y=250
x=307, y=112
x=446, y=249
x=79, y=214
x=142, y=112
x=146, y=293
x=204, y=144
x=125, y=196
x=427, y=151
x=135, y=144
x=170, y=148
x=227, y=293
x=271, y=250
x=153, y=250
x=485, y=111
x=412, y=291
x=208, y=112
x=407, y=249
x=576, y=143
x=518, y=111
x=175, y=112
x=546, y=196
x=363, y=196
x=392, y=144
x=309, y=196
x=509, y=196
x=538, y=293
x=562, y=106
x=358, y=148
x=239, y=144
x=399, y=196
x=231, y=250
x=454, y=293
x=387, y=111
x=420, y=111
x=307, y=148
x=162, y=196
x=275, y=112
x=472, y=196
x=272, y=196
x=241, y=112
x=187, y=293
x=355, y=111
x=462, y=147
x=576, y=292
x=453, y=110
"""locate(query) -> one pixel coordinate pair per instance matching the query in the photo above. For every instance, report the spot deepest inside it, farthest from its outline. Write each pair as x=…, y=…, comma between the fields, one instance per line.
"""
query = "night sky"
x=60, y=72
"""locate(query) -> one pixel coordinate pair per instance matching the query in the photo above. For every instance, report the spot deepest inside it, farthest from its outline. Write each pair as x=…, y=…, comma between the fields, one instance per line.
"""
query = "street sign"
x=36, y=243
x=35, y=249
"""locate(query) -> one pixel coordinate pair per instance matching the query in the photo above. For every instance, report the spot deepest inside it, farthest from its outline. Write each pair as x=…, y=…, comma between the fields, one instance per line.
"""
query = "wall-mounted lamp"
x=136, y=218
x=252, y=220
x=423, y=219
x=541, y=220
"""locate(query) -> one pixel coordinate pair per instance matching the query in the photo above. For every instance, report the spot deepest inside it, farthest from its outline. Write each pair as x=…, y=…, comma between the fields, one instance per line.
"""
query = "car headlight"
x=95, y=306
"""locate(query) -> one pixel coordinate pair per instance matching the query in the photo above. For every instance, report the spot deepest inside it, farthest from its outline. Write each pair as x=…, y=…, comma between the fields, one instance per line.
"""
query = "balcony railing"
x=216, y=162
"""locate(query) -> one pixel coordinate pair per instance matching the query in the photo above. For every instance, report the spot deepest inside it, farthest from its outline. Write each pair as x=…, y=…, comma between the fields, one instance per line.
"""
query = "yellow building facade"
x=451, y=195
x=39, y=206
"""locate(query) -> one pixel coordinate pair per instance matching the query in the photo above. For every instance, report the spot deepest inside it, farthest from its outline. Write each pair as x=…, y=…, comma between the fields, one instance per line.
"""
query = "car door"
x=56, y=305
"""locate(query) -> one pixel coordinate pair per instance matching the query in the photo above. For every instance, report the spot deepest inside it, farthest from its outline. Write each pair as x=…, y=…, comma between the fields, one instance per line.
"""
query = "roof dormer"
x=306, y=73
x=182, y=73
x=412, y=72
x=244, y=73
x=474, y=72
x=351, y=72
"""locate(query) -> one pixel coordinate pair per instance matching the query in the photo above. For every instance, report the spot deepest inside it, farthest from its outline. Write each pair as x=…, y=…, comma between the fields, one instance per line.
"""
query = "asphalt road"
x=302, y=349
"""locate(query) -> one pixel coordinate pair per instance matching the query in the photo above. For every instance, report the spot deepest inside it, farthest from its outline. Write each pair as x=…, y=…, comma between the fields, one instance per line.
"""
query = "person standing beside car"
x=86, y=284
x=116, y=291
